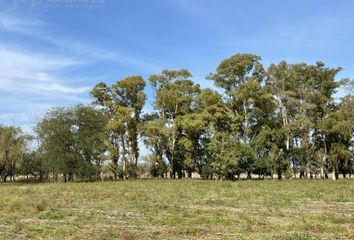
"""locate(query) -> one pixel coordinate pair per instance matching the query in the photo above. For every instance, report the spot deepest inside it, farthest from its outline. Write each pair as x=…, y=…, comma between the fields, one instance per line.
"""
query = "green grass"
x=178, y=209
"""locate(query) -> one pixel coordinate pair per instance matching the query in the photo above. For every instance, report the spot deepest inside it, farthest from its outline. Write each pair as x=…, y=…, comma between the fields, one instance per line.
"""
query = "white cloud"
x=31, y=83
x=30, y=72
x=20, y=25
x=34, y=80
x=36, y=29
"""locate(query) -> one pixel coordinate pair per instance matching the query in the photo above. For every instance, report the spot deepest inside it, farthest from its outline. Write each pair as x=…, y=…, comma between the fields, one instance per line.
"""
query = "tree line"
x=282, y=121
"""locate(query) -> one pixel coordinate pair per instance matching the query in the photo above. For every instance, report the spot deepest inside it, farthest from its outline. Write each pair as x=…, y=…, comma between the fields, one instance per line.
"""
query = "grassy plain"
x=178, y=209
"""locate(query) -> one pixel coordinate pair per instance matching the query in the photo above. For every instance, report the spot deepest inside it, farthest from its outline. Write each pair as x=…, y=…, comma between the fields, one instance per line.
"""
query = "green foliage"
x=123, y=101
x=72, y=141
x=156, y=167
x=236, y=70
x=176, y=97
x=12, y=150
x=34, y=165
x=281, y=121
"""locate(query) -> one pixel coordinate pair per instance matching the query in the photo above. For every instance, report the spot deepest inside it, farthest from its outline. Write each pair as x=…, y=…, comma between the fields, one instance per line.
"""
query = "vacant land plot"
x=183, y=209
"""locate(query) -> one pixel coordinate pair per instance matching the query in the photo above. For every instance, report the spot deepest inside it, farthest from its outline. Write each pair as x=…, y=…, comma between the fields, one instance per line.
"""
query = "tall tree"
x=304, y=97
x=124, y=101
x=175, y=96
x=339, y=130
x=155, y=138
x=242, y=78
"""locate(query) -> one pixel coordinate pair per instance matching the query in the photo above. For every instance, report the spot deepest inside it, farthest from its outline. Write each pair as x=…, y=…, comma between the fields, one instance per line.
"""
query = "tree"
x=304, y=98
x=155, y=138
x=72, y=141
x=33, y=164
x=124, y=102
x=339, y=131
x=224, y=154
x=175, y=96
x=269, y=146
x=90, y=138
x=12, y=150
x=249, y=103
x=279, y=122
x=192, y=127
x=216, y=120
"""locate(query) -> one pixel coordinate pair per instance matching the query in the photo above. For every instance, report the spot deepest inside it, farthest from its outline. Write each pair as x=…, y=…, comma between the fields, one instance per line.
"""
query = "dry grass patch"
x=184, y=209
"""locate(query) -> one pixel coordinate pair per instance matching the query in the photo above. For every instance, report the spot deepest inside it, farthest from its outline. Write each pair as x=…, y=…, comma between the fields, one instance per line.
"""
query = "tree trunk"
x=173, y=141
x=324, y=156
x=124, y=156
x=322, y=172
x=249, y=176
x=308, y=172
x=334, y=174
x=180, y=174
x=71, y=177
x=302, y=174
x=279, y=175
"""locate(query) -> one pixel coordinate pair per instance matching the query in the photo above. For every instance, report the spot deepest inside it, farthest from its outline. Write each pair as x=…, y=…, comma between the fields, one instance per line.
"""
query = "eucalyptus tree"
x=175, y=94
x=123, y=101
x=224, y=153
x=155, y=138
x=214, y=119
x=282, y=86
x=192, y=127
x=302, y=125
x=323, y=85
x=269, y=145
x=304, y=97
x=242, y=77
x=339, y=130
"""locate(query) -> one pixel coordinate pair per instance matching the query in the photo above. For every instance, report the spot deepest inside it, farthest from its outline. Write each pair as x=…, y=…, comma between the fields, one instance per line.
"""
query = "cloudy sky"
x=52, y=52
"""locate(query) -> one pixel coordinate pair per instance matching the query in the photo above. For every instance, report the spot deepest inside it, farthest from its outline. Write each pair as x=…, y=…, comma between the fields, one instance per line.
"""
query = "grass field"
x=178, y=209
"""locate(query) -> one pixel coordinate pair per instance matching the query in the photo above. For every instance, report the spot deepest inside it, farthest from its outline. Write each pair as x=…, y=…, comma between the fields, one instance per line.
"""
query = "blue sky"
x=52, y=52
